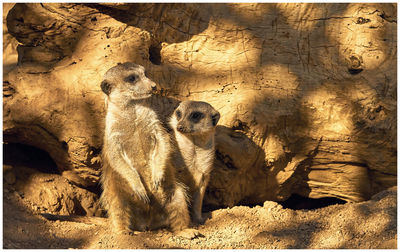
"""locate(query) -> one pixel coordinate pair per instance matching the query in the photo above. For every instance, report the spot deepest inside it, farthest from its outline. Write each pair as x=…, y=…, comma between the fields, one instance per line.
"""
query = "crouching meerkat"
x=140, y=191
x=194, y=124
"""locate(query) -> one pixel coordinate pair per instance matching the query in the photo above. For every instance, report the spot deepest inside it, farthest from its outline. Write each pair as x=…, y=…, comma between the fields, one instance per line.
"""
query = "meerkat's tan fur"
x=194, y=125
x=140, y=191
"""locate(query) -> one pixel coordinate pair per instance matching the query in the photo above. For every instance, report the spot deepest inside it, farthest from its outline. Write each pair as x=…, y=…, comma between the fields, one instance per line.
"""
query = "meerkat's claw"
x=142, y=195
x=157, y=181
x=156, y=185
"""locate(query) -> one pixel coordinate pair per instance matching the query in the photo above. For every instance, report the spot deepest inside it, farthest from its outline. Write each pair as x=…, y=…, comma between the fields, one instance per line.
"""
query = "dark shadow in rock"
x=297, y=202
x=235, y=175
x=26, y=155
x=42, y=139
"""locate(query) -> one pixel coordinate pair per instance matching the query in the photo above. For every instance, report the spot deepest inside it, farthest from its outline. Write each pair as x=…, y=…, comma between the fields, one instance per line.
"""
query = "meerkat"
x=194, y=123
x=140, y=191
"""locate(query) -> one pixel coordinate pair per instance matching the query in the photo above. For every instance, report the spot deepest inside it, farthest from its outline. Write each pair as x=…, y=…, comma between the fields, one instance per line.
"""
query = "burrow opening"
x=17, y=154
x=155, y=53
x=297, y=202
x=294, y=202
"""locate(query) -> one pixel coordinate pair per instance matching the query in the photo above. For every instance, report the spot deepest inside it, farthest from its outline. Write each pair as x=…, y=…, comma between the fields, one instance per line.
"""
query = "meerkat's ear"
x=215, y=118
x=105, y=87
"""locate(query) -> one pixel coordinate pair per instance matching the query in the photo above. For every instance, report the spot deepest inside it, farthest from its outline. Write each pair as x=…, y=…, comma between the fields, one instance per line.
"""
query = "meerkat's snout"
x=153, y=87
x=152, y=84
x=180, y=128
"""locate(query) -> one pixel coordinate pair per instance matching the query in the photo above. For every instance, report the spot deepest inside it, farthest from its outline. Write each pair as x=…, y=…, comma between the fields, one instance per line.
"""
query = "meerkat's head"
x=194, y=118
x=125, y=82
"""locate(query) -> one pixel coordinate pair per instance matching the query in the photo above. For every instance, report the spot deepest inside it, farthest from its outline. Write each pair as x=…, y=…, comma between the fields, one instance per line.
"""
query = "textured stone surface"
x=51, y=193
x=10, y=55
x=306, y=92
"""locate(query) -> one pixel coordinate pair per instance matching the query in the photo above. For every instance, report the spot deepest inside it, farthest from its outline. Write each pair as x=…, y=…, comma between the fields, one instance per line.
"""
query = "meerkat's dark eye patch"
x=215, y=118
x=105, y=87
x=196, y=116
x=178, y=114
x=131, y=78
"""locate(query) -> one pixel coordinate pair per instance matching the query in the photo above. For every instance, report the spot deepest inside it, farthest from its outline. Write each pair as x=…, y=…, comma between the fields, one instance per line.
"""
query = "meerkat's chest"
x=197, y=158
x=134, y=132
x=135, y=120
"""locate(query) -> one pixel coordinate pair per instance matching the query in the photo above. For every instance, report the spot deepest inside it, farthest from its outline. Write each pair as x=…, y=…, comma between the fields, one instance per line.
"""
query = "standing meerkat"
x=194, y=124
x=139, y=187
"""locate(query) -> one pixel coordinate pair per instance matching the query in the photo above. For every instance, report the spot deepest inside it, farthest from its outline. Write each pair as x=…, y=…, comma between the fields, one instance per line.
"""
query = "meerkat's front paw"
x=142, y=194
x=157, y=180
x=189, y=233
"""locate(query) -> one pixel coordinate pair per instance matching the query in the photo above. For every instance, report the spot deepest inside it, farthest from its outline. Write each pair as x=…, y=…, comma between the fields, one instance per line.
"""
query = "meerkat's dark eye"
x=131, y=78
x=105, y=87
x=196, y=116
x=215, y=118
x=178, y=114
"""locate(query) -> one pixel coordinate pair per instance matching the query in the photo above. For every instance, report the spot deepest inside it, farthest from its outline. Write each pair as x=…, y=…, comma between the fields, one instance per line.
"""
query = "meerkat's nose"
x=180, y=128
x=153, y=85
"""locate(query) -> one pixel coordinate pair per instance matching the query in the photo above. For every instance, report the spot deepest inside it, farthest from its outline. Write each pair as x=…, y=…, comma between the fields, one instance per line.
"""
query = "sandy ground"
x=370, y=224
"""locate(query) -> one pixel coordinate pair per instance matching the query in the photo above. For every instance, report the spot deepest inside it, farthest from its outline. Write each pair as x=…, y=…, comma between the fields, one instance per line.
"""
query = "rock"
x=8, y=174
x=10, y=177
x=10, y=55
x=81, y=181
x=272, y=205
x=51, y=193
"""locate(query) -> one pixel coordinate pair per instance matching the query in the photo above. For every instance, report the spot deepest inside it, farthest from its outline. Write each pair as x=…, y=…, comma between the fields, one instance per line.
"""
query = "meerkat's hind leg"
x=178, y=214
x=198, y=201
x=197, y=206
x=120, y=215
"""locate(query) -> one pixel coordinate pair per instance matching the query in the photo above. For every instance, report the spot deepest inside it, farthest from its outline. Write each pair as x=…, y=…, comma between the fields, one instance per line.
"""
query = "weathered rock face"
x=306, y=92
x=50, y=193
x=10, y=55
